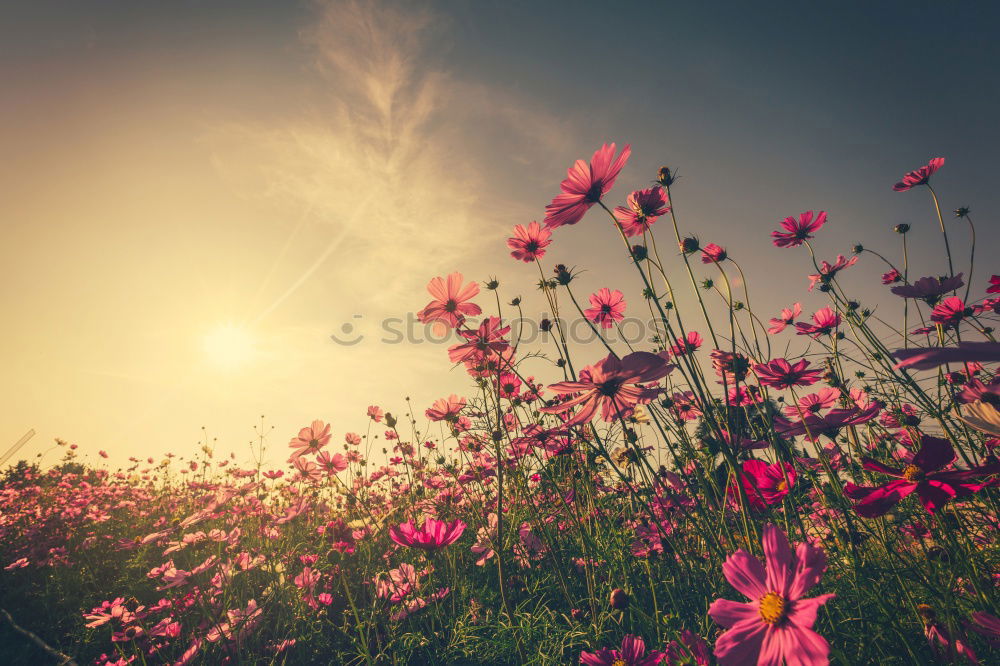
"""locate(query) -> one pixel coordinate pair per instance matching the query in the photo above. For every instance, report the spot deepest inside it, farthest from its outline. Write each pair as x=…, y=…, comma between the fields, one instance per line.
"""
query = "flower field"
x=816, y=485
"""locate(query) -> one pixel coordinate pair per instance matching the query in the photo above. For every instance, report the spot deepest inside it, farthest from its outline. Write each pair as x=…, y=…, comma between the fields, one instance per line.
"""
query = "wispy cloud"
x=378, y=158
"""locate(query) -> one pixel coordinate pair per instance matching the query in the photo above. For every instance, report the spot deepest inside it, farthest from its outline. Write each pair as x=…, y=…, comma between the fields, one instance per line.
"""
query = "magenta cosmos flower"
x=713, y=254
x=920, y=176
x=828, y=271
x=689, y=344
x=529, y=243
x=781, y=374
x=311, y=439
x=797, y=231
x=829, y=424
x=632, y=653
x=644, y=207
x=775, y=626
x=607, y=307
x=450, y=304
x=949, y=312
x=787, y=318
x=925, y=358
x=613, y=385
x=924, y=475
x=766, y=484
x=825, y=322
x=432, y=535
x=584, y=186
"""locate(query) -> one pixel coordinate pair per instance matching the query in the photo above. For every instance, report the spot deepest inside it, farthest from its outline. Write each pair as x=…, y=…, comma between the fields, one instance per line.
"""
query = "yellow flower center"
x=782, y=486
x=619, y=662
x=772, y=608
x=912, y=473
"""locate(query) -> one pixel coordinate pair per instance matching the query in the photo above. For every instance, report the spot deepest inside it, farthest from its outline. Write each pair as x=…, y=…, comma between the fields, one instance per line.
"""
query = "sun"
x=229, y=346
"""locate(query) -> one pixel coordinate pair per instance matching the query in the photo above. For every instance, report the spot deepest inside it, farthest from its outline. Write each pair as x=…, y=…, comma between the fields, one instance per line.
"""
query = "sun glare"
x=229, y=346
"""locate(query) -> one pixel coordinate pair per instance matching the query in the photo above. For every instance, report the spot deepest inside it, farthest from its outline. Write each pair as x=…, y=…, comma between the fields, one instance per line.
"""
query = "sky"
x=195, y=196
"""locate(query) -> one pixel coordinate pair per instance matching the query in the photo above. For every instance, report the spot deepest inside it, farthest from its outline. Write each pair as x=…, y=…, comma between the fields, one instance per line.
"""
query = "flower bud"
x=619, y=599
x=901, y=228
x=689, y=245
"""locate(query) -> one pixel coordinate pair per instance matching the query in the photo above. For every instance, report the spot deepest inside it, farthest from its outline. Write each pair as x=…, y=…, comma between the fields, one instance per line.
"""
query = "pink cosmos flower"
x=828, y=271
x=825, y=321
x=713, y=254
x=815, y=403
x=685, y=406
x=929, y=289
x=487, y=340
x=509, y=385
x=988, y=626
x=743, y=396
x=308, y=470
x=445, y=409
x=584, y=186
x=781, y=374
x=688, y=345
x=787, y=318
x=529, y=243
x=920, y=176
x=924, y=475
x=977, y=390
x=311, y=439
x=695, y=651
x=766, y=484
x=925, y=358
x=450, y=304
x=994, y=287
x=632, y=653
x=399, y=583
x=432, y=535
x=798, y=231
x=949, y=312
x=729, y=367
x=829, y=424
x=777, y=624
x=644, y=207
x=375, y=413
x=331, y=464
x=613, y=385
x=607, y=308
x=892, y=276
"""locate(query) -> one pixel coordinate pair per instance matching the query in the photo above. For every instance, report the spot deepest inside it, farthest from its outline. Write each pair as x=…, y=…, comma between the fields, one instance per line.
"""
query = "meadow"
x=738, y=487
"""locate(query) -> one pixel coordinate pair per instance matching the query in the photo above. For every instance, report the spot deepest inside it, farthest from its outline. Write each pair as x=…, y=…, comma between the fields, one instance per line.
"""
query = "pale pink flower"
x=451, y=301
x=445, y=409
x=311, y=439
